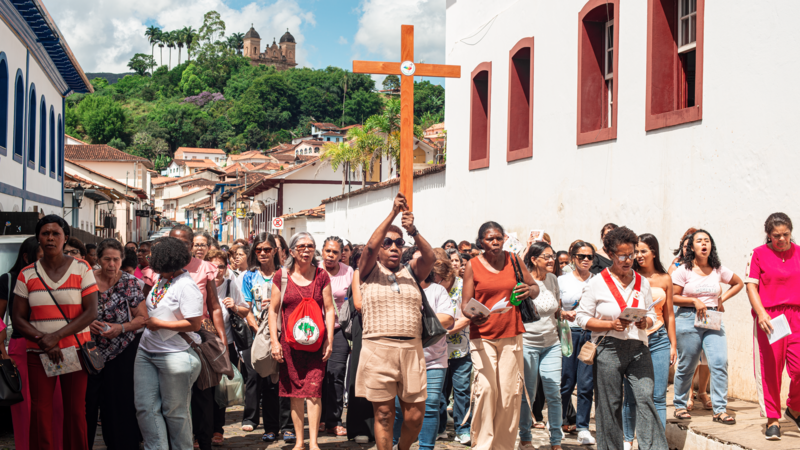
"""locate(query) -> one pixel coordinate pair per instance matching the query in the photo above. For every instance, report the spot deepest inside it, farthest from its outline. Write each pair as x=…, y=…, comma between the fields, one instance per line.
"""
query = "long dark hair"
x=651, y=241
x=713, y=258
x=252, y=258
x=28, y=250
x=484, y=229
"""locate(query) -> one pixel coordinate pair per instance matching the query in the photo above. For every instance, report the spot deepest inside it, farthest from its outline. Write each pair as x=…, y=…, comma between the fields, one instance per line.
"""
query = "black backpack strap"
x=228, y=288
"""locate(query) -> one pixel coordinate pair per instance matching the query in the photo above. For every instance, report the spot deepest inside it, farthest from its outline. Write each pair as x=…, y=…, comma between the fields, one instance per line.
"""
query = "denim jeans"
x=430, y=424
x=575, y=372
x=542, y=363
x=457, y=381
x=659, y=345
x=691, y=340
x=163, y=384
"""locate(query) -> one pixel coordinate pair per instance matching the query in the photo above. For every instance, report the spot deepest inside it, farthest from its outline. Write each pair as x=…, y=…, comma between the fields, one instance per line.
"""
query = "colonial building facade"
x=281, y=55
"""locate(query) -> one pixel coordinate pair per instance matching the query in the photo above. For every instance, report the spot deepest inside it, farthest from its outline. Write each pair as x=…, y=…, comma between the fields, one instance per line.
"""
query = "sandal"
x=682, y=414
x=322, y=427
x=539, y=425
x=706, y=400
x=247, y=428
x=217, y=439
x=690, y=403
x=569, y=429
x=725, y=419
x=337, y=431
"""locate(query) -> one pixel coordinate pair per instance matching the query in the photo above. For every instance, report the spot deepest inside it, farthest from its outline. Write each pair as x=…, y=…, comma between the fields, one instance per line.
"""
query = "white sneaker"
x=362, y=440
x=585, y=438
x=443, y=436
x=463, y=439
x=395, y=447
x=628, y=446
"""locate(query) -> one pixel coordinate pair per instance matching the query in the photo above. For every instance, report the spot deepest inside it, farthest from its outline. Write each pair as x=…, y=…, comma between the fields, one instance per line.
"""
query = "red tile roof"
x=107, y=178
x=318, y=212
x=102, y=153
x=252, y=154
x=216, y=151
x=325, y=126
x=278, y=174
x=186, y=194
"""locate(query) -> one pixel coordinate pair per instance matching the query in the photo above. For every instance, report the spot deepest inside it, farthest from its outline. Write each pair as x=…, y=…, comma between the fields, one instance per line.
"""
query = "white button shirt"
x=597, y=302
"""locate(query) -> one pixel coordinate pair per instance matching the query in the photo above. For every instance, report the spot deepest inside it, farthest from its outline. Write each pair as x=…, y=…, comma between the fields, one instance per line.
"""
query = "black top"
x=599, y=263
x=4, y=295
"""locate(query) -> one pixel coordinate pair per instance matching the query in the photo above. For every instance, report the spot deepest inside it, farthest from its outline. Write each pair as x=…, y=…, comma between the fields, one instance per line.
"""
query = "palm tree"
x=160, y=38
x=152, y=37
x=179, y=41
x=369, y=144
x=338, y=154
x=189, y=38
x=171, y=44
x=388, y=123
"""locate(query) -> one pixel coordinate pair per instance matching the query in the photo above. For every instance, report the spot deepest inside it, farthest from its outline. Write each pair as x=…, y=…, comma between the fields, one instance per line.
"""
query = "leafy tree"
x=102, y=118
x=190, y=83
x=118, y=144
x=141, y=63
x=99, y=83
x=391, y=82
x=213, y=27
x=428, y=97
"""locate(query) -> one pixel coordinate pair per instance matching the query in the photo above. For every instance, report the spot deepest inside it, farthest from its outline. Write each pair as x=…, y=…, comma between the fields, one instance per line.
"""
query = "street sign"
x=228, y=218
x=142, y=213
x=277, y=223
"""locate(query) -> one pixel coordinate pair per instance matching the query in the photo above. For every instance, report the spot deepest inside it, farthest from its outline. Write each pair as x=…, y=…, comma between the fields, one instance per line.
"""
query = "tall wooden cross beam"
x=407, y=70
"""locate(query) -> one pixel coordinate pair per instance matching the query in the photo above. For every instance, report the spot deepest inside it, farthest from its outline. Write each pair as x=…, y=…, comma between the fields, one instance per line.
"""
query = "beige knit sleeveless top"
x=387, y=312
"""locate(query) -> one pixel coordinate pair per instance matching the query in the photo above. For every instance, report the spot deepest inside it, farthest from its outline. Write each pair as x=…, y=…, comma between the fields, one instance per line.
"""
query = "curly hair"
x=679, y=251
x=169, y=255
x=214, y=253
x=617, y=236
x=713, y=258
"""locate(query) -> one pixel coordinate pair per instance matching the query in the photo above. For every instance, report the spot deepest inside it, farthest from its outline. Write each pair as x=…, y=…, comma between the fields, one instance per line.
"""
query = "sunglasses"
x=548, y=257
x=304, y=248
x=393, y=279
x=222, y=267
x=263, y=250
x=387, y=244
x=583, y=257
x=623, y=258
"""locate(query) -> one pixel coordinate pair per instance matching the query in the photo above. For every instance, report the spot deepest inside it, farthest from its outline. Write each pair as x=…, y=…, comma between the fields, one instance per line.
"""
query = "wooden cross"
x=407, y=70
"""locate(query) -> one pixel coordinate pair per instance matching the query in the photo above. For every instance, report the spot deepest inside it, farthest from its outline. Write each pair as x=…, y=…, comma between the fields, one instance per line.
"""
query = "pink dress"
x=301, y=372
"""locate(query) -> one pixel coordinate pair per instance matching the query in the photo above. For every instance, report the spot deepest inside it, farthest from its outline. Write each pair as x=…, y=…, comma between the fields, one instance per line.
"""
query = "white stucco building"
x=572, y=114
x=37, y=71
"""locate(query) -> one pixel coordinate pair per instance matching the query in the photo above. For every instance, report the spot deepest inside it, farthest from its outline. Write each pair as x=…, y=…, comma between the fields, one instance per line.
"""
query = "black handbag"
x=92, y=358
x=242, y=334
x=346, y=314
x=432, y=329
x=527, y=309
x=10, y=383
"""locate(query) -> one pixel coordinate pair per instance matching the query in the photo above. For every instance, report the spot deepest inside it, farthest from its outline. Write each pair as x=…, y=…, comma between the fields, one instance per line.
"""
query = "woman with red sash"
x=622, y=350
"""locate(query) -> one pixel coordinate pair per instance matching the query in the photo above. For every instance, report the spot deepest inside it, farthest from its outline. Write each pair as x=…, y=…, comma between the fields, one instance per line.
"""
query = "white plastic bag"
x=230, y=392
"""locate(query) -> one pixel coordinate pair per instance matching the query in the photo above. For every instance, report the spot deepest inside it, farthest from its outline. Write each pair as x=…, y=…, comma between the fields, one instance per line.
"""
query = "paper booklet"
x=166, y=315
x=69, y=364
x=712, y=321
x=537, y=235
x=780, y=329
x=636, y=314
x=476, y=307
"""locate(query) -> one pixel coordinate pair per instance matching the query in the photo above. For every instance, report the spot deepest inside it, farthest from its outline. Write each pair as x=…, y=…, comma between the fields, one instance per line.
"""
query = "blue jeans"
x=163, y=384
x=575, y=372
x=544, y=363
x=659, y=353
x=457, y=381
x=430, y=424
x=691, y=340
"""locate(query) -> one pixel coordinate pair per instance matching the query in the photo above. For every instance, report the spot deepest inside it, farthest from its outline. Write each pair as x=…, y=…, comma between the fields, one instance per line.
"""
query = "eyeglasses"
x=222, y=267
x=393, y=279
x=550, y=257
x=200, y=245
x=74, y=252
x=262, y=250
x=387, y=243
x=580, y=257
x=623, y=258
x=304, y=248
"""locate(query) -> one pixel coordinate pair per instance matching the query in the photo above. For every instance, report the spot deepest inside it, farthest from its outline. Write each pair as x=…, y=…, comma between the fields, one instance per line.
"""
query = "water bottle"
x=513, y=299
x=565, y=335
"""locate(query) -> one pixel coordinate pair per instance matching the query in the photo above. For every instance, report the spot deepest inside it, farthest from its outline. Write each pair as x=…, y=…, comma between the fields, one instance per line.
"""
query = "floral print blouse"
x=113, y=307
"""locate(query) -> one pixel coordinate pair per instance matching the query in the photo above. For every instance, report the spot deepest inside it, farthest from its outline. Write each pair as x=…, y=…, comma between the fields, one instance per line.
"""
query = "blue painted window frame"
x=42, y=136
x=32, y=128
x=52, y=142
x=19, y=116
x=60, y=148
x=5, y=87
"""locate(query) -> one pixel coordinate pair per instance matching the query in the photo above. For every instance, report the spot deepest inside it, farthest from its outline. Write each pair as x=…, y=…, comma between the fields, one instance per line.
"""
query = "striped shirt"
x=76, y=283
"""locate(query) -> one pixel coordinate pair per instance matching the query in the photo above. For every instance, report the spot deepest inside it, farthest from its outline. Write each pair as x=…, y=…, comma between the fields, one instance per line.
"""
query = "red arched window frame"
x=669, y=100
x=480, y=105
x=597, y=104
x=520, y=101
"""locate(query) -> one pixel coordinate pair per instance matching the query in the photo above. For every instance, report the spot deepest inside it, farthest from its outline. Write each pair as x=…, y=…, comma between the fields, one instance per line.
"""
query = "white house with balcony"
x=37, y=71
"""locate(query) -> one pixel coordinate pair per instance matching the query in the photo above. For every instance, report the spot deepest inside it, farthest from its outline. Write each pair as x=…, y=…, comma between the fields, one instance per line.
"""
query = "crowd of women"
x=145, y=307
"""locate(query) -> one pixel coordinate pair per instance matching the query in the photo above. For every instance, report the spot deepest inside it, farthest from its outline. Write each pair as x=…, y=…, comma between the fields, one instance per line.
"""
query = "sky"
x=105, y=34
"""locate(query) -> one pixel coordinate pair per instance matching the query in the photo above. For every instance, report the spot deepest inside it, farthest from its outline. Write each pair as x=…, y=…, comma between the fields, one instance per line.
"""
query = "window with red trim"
x=480, y=113
x=520, y=101
x=674, y=62
x=598, y=34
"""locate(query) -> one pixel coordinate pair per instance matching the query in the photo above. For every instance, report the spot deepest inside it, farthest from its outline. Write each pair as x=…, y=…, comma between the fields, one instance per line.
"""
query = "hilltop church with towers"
x=280, y=55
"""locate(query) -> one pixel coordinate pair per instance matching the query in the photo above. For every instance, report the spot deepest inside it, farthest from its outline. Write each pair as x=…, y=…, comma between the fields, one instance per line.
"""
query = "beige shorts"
x=390, y=368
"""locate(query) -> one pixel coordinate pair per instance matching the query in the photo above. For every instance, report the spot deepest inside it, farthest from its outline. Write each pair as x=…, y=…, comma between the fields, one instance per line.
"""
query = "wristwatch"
x=414, y=233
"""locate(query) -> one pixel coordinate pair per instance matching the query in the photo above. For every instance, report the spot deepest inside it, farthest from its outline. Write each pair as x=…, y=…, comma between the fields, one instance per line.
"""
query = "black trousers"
x=333, y=384
x=203, y=406
x=261, y=396
x=112, y=392
x=219, y=412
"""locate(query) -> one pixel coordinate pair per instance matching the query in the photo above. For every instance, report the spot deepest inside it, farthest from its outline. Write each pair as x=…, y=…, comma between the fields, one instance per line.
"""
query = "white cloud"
x=342, y=40
x=379, y=29
x=105, y=34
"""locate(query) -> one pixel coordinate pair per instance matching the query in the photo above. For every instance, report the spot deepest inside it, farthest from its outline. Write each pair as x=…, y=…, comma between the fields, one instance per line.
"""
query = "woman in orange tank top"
x=496, y=341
